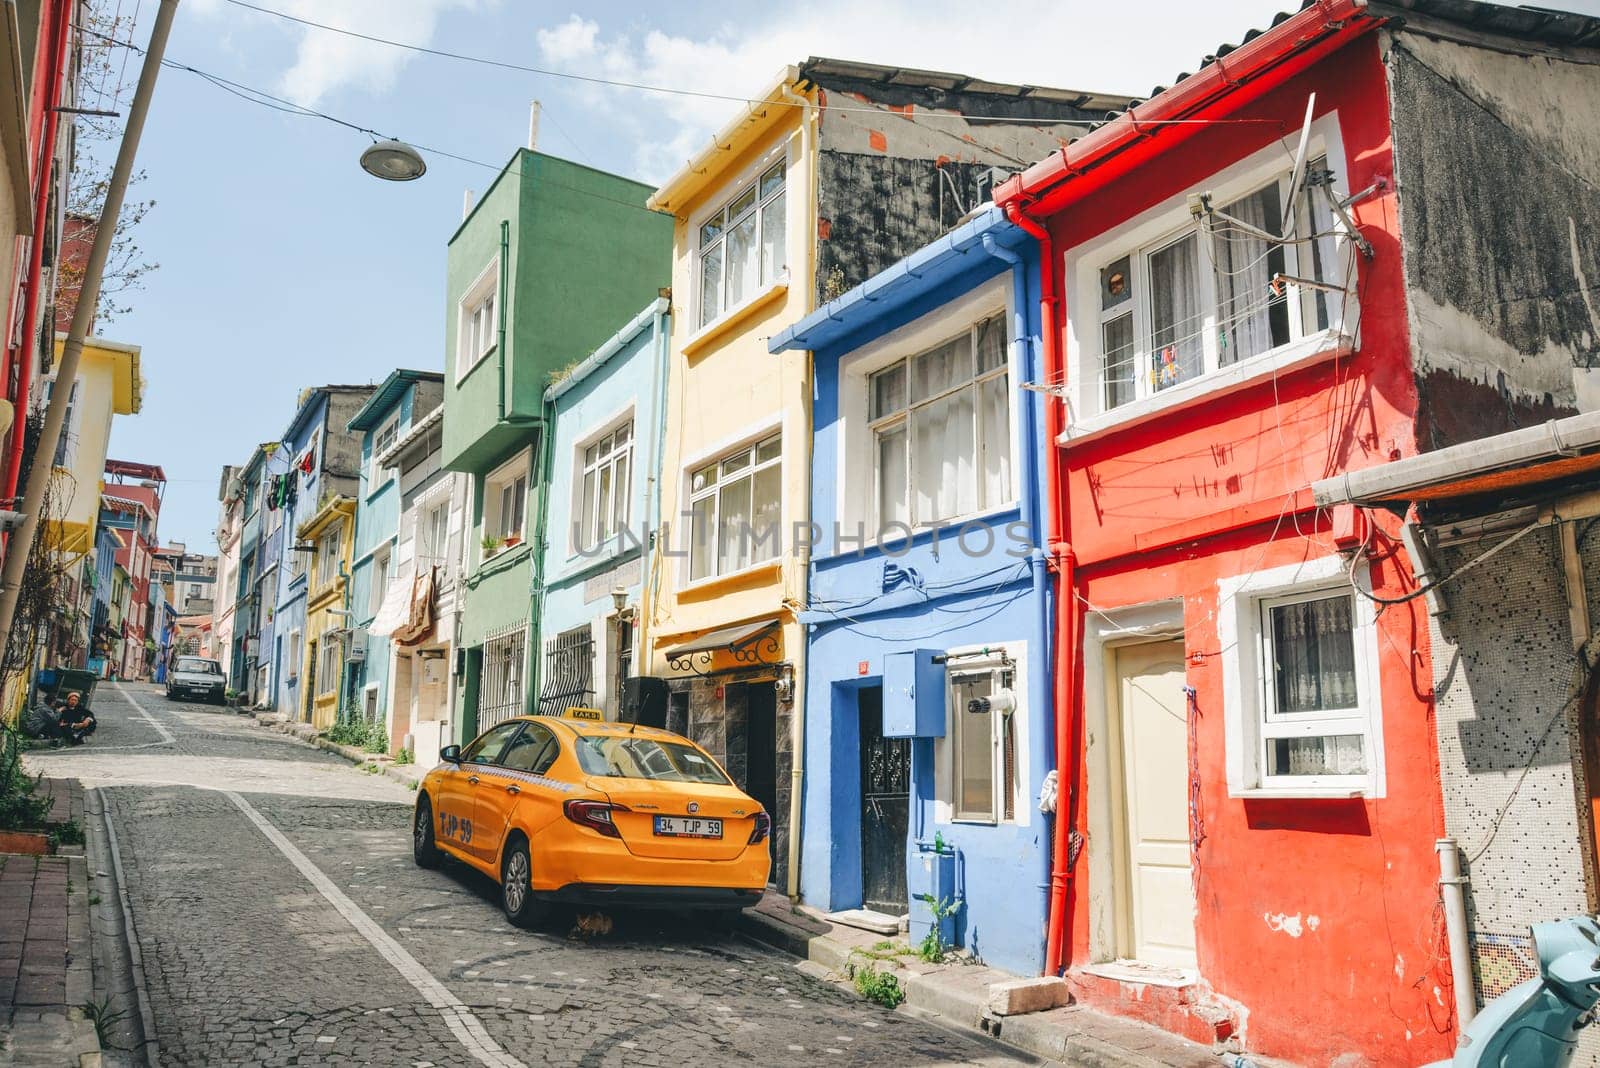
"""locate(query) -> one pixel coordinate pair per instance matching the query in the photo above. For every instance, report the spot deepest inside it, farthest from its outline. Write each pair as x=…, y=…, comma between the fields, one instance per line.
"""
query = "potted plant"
x=491, y=544
x=513, y=539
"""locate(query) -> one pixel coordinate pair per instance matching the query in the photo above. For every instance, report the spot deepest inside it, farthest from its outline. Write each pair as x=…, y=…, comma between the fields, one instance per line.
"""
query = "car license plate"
x=688, y=827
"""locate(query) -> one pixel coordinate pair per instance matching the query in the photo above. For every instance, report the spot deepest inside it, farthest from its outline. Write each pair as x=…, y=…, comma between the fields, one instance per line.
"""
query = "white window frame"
x=495, y=483
x=427, y=552
x=974, y=660
x=330, y=662
x=329, y=553
x=584, y=535
x=857, y=472
x=750, y=178
x=484, y=289
x=381, y=573
x=901, y=420
x=1158, y=228
x=693, y=495
x=1246, y=677
x=296, y=651
x=390, y=427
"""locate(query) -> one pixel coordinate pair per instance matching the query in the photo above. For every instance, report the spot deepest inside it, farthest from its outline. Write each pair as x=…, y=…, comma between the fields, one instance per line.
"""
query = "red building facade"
x=1246, y=733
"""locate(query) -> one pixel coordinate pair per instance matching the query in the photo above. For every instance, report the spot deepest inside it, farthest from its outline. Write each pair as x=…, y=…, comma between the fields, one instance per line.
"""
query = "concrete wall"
x=1510, y=745
x=1498, y=164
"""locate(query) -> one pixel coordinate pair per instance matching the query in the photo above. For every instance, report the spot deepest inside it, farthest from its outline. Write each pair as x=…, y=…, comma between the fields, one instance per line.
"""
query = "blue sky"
x=283, y=265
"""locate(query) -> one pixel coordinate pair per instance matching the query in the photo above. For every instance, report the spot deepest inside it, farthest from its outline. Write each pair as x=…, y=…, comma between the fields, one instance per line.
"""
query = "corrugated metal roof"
x=913, y=78
x=1540, y=25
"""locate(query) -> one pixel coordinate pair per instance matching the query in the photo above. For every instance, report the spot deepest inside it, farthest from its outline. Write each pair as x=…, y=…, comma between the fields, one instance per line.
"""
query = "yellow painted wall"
x=726, y=389
x=324, y=604
x=105, y=373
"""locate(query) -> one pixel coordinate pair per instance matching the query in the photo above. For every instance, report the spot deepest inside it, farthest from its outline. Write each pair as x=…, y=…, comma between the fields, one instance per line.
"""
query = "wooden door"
x=1157, y=896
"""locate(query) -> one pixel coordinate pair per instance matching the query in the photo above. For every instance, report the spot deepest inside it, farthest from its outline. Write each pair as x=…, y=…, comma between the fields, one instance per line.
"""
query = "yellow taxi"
x=575, y=809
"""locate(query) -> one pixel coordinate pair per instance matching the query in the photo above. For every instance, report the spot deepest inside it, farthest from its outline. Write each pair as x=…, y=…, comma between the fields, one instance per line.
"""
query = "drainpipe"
x=659, y=350
x=41, y=208
x=1452, y=886
x=1039, y=671
x=797, y=713
x=541, y=471
x=500, y=317
x=1058, y=950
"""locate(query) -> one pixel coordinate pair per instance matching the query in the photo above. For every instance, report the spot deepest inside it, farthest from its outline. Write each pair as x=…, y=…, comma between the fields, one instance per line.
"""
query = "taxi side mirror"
x=450, y=754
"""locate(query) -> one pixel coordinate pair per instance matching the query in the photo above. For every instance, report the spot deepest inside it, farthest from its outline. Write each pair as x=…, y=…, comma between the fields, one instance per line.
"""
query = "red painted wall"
x=1372, y=978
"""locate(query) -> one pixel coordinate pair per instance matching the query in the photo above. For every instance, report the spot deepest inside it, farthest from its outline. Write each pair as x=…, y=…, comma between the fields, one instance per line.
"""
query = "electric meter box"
x=913, y=695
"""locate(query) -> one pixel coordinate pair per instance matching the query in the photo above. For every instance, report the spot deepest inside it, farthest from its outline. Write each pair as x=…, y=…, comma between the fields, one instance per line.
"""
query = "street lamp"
x=393, y=161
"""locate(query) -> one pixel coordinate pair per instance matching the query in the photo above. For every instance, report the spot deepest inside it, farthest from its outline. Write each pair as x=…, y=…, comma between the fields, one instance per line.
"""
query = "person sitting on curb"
x=73, y=724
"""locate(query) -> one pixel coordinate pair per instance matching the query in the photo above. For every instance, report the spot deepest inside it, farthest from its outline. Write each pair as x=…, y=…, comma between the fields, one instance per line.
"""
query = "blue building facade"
x=606, y=418
x=401, y=399
x=928, y=719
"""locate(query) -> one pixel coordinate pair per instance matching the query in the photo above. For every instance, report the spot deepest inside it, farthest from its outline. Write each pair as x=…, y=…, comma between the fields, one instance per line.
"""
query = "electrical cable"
x=1422, y=591
x=697, y=93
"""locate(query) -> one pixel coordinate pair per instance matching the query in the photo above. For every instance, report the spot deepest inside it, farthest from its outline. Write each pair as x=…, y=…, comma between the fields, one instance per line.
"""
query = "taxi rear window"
x=623, y=756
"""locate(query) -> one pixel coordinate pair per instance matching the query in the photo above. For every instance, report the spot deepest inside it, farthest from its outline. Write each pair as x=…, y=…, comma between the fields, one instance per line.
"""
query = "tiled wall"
x=1504, y=676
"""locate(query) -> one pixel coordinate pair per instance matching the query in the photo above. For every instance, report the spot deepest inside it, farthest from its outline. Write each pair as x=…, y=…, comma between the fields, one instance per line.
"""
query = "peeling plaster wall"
x=900, y=166
x=1497, y=159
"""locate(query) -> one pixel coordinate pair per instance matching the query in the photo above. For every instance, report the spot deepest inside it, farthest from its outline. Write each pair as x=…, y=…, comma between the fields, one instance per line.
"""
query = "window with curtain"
x=743, y=245
x=735, y=504
x=1200, y=299
x=941, y=425
x=1314, y=724
x=605, y=486
x=1251, y=318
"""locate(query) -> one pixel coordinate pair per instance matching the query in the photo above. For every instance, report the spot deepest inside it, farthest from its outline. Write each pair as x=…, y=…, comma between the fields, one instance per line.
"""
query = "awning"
x=731, y=639
x=395, y=611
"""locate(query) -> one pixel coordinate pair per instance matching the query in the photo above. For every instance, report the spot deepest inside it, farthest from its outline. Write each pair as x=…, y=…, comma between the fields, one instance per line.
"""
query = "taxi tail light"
x=762, y=829
x=595, y=815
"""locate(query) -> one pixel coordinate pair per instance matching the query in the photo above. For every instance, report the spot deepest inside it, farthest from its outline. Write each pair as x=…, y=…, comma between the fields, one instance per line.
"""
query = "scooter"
x=1535, y=1024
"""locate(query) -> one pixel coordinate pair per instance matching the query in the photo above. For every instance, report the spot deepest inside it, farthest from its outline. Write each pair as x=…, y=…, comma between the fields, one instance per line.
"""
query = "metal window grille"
x=569, y=671
x=500, y=679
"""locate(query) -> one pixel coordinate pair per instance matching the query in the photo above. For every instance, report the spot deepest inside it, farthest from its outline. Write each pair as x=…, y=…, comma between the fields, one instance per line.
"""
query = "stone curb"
x=409, y=775
x=958, y=995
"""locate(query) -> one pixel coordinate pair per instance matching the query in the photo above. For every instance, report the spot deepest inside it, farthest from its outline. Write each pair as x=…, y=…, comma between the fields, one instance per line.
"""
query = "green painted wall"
x=584, y=255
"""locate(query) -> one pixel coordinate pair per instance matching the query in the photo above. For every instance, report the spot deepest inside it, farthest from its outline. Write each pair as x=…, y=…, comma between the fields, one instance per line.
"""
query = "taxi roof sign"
x=577, y=712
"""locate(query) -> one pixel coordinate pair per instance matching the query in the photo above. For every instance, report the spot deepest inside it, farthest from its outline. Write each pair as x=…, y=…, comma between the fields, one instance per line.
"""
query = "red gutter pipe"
x=1064, y=670
x=41, y=207
x=1047, y=187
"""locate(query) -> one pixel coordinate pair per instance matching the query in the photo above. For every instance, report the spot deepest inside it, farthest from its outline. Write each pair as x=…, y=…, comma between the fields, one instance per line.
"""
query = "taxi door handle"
x=473, y=779
x=513, y=790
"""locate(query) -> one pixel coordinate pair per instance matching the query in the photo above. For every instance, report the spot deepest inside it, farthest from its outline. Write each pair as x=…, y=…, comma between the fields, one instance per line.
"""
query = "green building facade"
x=552, y=259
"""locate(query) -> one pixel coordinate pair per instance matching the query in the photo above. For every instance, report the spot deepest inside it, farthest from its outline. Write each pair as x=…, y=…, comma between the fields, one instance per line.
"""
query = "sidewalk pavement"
x=1035, y=1015
x=379, y=763
x=46, y=969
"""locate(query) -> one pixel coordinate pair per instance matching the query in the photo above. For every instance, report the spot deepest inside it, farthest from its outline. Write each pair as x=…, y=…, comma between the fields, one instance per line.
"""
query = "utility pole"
x=16, y=562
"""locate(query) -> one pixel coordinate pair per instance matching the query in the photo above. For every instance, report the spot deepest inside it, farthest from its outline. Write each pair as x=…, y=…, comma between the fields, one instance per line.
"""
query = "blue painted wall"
x=917, y=594
x=621, y=380
x=377, y=526
x=291, y=612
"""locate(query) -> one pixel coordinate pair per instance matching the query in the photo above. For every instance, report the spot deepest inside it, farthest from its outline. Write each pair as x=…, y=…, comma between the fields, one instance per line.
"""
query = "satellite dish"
x=1298, y=176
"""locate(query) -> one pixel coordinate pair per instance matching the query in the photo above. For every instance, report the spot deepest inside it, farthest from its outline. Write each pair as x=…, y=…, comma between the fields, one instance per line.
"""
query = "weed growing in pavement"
x=100, y=1013
x=405, y=756
x=19, y=808
x=94, y=899
x=412, y=785
x=932, y=948
x=881, y=987
x=68, y=833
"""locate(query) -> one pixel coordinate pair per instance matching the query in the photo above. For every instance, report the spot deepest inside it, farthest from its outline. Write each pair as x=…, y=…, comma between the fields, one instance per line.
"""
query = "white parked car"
x=196, y=677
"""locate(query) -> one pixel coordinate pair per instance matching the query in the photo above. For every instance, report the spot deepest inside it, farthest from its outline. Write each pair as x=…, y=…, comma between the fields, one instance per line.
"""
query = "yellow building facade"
x=720, y=619
x=107, y=385
x=330, y=532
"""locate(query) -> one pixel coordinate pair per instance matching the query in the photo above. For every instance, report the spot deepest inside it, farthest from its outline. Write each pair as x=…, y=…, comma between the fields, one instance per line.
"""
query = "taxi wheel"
x=423, y=848
x=516, y=889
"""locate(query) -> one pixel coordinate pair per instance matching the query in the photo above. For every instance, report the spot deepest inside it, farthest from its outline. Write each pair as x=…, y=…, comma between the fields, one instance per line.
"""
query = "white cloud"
x=1123, y=48
x=326, y=62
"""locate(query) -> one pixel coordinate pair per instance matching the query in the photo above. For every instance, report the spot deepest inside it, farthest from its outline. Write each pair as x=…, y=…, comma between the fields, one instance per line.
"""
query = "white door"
x=1157, y=900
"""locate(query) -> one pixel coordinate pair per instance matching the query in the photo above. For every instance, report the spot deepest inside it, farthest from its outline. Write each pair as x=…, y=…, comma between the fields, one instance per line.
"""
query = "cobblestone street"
x=281, y=921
